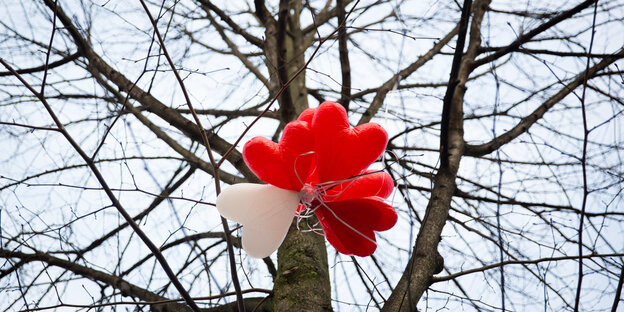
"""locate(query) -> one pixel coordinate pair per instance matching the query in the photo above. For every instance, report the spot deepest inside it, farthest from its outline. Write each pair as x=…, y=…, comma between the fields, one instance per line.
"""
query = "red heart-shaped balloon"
x=286, y=164
x=342, y=151
x=349, y=225
x=369, y=183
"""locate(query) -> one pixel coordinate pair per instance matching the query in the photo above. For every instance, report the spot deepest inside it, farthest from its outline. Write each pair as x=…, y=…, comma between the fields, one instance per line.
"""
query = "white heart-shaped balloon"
x=265, y=211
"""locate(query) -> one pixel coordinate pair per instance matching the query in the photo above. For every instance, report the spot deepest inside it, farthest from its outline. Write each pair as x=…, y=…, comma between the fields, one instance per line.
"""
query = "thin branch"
x=150, y=303
x=526, y=122
x=70, y=58
x=226, y=229
x=618, y=290
x=522, y=262
x=97, y=65
x=577, y=300
x=382, y=91
x=244, y=59
x=524, y=38
x=343, y=50
x=549, y=52
x=107, y=189
x=235, y=27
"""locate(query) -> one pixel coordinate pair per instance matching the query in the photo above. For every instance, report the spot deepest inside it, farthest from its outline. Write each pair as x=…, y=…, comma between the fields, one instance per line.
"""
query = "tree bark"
x=302, y=282
x=425, y=260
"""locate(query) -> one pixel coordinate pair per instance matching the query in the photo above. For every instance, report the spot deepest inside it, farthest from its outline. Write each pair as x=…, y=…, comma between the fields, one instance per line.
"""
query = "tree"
x=121, y=121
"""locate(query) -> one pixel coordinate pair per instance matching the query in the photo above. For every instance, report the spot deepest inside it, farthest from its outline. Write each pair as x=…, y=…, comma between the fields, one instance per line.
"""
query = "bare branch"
x=525, y=124
x=524, y=38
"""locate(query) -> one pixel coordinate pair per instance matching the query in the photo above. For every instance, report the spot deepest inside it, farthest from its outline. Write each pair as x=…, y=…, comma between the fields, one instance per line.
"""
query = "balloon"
x=286, y=164
x=352, y=223
x=342, y=151
x=320, y=163
x=265, y=211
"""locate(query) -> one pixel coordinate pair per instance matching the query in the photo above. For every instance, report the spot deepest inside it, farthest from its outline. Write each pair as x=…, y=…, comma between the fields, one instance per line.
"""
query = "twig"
x=281, y=90
x=226, y=229
x=137, y=303
x=618, y=291
x=523, y=262
x=577, y=301
x=47, y=65
x=345, y=67
x=98, y=175
x=531, y=34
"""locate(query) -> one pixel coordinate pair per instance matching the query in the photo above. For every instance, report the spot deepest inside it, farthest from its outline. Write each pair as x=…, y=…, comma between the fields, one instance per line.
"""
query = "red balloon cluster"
x=321, y=156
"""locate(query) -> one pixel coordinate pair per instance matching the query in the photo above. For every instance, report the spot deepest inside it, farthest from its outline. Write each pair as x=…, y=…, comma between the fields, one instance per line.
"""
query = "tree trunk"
x=302, y=281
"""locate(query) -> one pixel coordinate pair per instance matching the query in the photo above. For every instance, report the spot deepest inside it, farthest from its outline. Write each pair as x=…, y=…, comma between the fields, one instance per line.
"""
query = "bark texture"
x=302, y=282
x=425, y=260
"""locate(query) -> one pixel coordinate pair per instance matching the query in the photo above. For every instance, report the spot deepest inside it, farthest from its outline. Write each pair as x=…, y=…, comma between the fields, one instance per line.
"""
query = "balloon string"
x=325, y=186
x=308, y=211
x=295, y=166
x=318, y=193
x=311, y=194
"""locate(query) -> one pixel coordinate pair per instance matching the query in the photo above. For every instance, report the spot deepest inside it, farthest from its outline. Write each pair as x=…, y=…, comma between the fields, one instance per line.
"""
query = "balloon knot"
x=307, y=194
x=310, y=199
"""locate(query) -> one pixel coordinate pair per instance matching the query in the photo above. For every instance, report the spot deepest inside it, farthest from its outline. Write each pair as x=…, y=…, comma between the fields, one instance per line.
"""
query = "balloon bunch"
x=319, y=166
